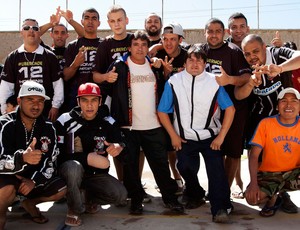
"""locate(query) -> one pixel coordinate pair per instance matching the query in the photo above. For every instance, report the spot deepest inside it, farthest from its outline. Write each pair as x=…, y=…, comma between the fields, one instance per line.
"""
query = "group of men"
x=114, y=97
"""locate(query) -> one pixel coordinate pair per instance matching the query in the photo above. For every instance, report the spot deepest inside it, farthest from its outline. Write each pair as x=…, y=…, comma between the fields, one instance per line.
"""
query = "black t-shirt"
x=178, y=61
x=109, y=50
x=41, y=66
x=232, y=60
x=265, y=95
x=84, y=72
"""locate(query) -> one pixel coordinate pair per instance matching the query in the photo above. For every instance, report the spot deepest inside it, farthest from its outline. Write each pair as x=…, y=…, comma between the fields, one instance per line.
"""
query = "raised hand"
x=80, y=57
x=68, y=15
x=31, y=155
x=277, y=42
x=55, y=18
x=223, y=79
x=113, y=149
x=112, y=75
x=167, y=64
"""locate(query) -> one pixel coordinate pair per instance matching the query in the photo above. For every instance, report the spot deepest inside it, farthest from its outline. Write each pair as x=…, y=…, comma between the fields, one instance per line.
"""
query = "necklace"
x=27, y=58
x=26, y=132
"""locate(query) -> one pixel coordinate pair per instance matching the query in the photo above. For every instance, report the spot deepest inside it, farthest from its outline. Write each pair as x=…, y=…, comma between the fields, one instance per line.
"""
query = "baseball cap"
x=32, y=88
x=89, y=89
x=288, y=90
x=173, y=28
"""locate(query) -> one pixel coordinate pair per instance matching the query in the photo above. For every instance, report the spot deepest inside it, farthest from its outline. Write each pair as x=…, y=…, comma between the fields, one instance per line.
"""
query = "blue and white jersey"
x=196, y=102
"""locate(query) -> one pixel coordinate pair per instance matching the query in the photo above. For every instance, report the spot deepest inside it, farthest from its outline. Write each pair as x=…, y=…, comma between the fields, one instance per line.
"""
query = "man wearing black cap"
x=87, y=135
x=28, y=155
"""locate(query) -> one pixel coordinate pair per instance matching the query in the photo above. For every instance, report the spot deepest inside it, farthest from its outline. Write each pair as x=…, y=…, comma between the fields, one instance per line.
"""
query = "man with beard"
x=27, y=162
x=153, y=25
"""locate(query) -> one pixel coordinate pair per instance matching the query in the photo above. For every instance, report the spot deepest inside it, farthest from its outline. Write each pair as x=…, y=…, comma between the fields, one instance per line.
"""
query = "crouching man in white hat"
x=27, y=155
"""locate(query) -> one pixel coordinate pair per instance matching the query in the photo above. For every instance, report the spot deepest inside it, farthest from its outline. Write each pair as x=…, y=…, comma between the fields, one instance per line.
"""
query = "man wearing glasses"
x=32, y=62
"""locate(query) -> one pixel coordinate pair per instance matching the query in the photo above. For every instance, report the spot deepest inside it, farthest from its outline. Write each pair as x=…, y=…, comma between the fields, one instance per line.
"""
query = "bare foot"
x=30, y=208
x=73, y=219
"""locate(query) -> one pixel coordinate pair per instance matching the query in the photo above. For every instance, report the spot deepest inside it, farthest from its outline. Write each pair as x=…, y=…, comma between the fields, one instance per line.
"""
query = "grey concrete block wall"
x=12, y=40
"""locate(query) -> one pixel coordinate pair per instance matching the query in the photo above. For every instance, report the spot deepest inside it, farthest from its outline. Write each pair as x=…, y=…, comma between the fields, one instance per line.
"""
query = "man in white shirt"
x=133, y=105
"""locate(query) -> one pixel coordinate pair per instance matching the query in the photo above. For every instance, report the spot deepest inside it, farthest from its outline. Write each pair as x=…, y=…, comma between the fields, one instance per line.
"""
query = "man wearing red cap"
x=87, y=135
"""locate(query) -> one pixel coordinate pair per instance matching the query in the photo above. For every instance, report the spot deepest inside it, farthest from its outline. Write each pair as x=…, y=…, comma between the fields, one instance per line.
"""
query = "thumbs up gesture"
x=277, y=42
x=31, y=155
x=223, y=79
x=113, y=149
x=112, y=76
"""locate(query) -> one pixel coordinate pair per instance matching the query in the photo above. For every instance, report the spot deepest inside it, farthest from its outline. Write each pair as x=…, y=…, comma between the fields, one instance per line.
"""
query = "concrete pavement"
x=156, y=217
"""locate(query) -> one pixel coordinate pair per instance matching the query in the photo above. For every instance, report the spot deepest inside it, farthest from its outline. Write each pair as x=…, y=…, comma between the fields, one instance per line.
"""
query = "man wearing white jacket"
x=196, y=99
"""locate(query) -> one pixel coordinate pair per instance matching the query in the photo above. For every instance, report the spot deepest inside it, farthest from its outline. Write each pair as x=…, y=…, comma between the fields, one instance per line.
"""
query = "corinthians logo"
x=45, y=142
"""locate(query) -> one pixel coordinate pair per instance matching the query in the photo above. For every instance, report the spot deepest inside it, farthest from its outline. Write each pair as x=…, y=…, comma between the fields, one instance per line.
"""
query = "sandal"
x=40, y=219
x=271, y=211
x=238, y=195
x=73, y=220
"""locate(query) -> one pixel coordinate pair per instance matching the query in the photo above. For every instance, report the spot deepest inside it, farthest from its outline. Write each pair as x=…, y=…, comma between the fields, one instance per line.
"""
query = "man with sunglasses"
x=32, y=62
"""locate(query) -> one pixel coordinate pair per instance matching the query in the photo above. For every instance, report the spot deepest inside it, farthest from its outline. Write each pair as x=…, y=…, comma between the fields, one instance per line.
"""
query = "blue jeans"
x=99, y=188
x=188, y=165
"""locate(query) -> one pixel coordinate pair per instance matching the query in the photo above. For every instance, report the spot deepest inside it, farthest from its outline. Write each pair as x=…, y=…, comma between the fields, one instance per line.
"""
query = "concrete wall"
x=12, y=40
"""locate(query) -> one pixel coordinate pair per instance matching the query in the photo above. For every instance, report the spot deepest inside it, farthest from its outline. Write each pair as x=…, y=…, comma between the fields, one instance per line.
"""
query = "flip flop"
x=238, y=195
x=271, y=211
x=40, y=219
x=76, y=220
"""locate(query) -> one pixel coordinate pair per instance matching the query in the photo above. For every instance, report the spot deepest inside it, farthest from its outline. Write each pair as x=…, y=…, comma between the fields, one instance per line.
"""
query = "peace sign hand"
x=168, y=67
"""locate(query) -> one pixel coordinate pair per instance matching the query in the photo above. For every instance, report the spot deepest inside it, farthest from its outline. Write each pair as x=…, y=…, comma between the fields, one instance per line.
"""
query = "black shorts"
x=233, y=145
x=52, y=187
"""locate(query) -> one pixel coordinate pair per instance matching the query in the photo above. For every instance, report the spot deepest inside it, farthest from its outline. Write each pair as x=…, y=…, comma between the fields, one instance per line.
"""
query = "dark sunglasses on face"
x=34, y=28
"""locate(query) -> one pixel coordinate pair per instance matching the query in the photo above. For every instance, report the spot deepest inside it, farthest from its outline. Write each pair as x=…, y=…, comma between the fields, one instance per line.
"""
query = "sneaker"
x=192, y=204
x=136, y=209
x=287, y=205
x=221, y=217
x=180, y=187
x=175, y=206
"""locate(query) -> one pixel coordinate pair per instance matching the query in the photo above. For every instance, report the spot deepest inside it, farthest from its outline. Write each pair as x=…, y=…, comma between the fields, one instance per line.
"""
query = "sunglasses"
x=34, y=28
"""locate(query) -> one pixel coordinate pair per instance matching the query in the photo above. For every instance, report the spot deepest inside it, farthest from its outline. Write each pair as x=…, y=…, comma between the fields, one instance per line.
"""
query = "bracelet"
x=280, y=69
